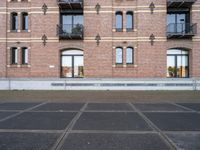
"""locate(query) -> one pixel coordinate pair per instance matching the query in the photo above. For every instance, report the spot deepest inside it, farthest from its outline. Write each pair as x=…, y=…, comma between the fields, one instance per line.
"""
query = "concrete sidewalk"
x=99, y=126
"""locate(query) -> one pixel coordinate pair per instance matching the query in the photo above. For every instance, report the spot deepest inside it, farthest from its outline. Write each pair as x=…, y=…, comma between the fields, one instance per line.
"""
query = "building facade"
x=100, y=38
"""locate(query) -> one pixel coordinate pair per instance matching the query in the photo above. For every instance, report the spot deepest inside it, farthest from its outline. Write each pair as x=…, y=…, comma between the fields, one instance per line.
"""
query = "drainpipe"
x=6, y=39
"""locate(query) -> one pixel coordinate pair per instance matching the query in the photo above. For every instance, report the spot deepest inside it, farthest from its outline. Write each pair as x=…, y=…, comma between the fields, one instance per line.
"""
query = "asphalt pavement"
x=48, y=125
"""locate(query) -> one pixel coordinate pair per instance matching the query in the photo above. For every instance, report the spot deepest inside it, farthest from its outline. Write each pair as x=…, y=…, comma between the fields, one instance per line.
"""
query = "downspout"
x=6, y=39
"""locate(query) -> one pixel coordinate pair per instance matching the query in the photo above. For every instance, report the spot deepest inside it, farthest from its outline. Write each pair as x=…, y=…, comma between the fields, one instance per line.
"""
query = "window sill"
x=25, y=66
x=25, y=31
x=13, y=31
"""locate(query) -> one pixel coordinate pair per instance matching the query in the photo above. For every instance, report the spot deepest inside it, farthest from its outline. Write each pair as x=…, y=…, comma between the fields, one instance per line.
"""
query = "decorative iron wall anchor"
x=44, y=8
x=152, y=7
x=44, y=39
x=152, y=38
x=98, y=38
x=98, y=7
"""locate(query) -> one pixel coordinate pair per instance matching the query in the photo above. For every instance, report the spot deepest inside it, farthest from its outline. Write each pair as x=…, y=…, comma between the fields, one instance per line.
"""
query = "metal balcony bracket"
x=98, y=38
x=152, y=7
x=44, y=39
x=98, y=7
x=44, y=8
x=152, y=38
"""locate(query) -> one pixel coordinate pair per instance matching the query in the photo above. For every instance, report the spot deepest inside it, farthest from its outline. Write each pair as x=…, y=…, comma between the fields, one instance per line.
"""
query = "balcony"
x=70, y=4
x=69, y=31
x=181, y=30
x=180, y=3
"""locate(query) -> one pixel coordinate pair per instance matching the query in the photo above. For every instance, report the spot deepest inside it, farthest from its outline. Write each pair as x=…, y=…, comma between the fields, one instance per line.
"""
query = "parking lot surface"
x=99, y=126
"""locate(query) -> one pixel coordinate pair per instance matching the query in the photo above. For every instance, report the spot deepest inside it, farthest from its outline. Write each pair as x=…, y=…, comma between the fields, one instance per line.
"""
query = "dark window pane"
x=14, y=56
x=14, y=21
x=24, y=56
x=25, y=21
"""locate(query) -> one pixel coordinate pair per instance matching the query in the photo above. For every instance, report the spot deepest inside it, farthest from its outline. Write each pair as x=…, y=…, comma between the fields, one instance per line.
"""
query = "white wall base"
x=99, y=84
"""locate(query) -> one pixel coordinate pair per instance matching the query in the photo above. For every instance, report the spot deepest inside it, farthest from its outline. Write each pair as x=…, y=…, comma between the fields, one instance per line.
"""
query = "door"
x=72, y=64
x=171, y=66
x=177, y=64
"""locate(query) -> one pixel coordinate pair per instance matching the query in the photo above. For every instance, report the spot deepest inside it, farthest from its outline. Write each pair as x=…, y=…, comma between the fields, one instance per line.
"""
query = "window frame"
x=14, y=20
x=121, y=62
x=14, y=56
x=182, y=53
x=130, y=63
x=24, y=55
x=132, y=20
x=23, y=21
x=121, y=21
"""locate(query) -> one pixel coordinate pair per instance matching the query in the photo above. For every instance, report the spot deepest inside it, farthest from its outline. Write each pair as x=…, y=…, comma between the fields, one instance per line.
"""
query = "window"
x=14, y=55
x=129, y=21
x=178, y=22
x=177, y=63
x=14, y=21
x=119, y=55
x=129, y=55
x=25, y=21
x=72, y=64
x=72, y=23
x=24, y=55
x=119, y=21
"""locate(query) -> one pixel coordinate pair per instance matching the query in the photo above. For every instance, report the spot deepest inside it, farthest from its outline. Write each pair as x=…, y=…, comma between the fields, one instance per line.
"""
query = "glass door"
x=72, y=64
x=171, y=67
x=67, y=68
x=78, y=66
x=177, y=64
x=181, y=23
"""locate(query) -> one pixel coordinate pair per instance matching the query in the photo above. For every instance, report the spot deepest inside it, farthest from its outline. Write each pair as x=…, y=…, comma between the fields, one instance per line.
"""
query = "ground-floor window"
x=72, y=64
x=177, y=63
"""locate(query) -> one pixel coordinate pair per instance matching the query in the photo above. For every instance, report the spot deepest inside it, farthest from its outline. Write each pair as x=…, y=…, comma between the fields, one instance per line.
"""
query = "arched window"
x=14, y=55
x=25, y=21
x=119, y=21
x=119, y=55
x=24, y=54
x=129, y=55
x=14, y=21
x=72, y=64
x=177, y=63
x=129, y=21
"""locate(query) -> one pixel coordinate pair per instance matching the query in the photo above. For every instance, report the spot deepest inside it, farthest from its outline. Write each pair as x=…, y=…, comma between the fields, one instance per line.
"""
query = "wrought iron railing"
x=182, y=29
x=70, y=1
x=70, y=31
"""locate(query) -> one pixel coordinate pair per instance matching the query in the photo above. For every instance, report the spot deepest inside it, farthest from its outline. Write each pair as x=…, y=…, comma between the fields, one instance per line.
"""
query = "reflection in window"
x=24, y=21
x=129, y=21
x=24, y=55
x=14, y=21
x=72, y=64
x=119, y=21
x=14, y=55
x=119, y=55
x=177, y=63
x=129, y=55
x=72, y=23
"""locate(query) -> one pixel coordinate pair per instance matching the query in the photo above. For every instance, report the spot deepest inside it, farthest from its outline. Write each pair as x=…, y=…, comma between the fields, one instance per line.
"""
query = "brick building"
x=100, y=38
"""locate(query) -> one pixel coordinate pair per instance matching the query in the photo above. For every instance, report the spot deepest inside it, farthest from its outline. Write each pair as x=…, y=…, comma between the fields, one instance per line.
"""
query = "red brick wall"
x=99, y=61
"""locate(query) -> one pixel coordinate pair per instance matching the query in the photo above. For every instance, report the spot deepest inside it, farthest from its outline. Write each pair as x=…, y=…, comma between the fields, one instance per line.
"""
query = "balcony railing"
x=181, y=30
x=180, y=3
x=69, y=31
x=70, y=4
